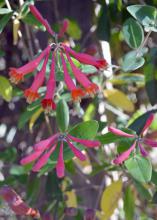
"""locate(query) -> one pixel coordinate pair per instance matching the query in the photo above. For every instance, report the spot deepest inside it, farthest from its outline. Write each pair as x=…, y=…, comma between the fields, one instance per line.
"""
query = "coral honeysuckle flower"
x=44, y=149
x=139, y=141
x=89, y=87
x=17, y=74
x=48, y=103
x=55, y=50
x=86, y=58
x=76, y=93
x=16, y=203
x=64, y=28
x=31, y=94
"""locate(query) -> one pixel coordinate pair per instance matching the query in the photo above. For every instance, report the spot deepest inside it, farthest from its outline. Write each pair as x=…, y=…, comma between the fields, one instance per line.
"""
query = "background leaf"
x=133, y=33
x=5, y=89
x=110, y=197
x=119, y=99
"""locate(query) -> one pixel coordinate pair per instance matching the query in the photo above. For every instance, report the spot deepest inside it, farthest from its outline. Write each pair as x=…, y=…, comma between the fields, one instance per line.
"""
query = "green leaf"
x=4, y=20
x=88, y=69
x=146, y=15
x=142, y=190
x=25, y=117
x=129, y=204
x=154, y=177
x=150, y=74
x=74, y=30
x=133, y=33
x=62, y=115
x=128, y=78
x=132, y=62
x=5, y=89
x=20, y=170
x=31, y=20
x=5, y=11
x=85, y=130
x=90, y=112
x=140, y=168
x=110, y=197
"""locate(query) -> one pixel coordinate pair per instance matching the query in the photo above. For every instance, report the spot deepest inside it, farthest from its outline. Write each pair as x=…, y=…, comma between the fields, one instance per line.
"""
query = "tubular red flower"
x=149, y=142
x=60, y=163
x=90, y=87
x=142, y=150
x=87, y=143
x=32, y=157
x=120, y=133
x=76, y=93
x=16, y=203
x=43, y=159
x=86, y=59
x=76, y=151
x=17, y=74
x=45, y=144
x=124, y=156
x=40, y=18
x=31, y=94
x=63, y=28
x=48, y=103
x=44, y=149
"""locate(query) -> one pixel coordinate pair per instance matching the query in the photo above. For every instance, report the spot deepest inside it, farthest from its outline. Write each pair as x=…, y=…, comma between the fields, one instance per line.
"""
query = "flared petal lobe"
x=17, y=74
x=31, y=94
x=124, y=156
x=120, y=133
x=90, y=88
x=47, y=103
x=60, y=163
x=87, y=143
x=76, y=93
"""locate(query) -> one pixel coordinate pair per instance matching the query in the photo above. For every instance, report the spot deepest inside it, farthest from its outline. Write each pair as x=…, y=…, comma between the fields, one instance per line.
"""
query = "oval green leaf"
x=5, y=89
x=140, y=168
x=133, y=33
x=132, y=62
x=62, y=115
x=146, y=15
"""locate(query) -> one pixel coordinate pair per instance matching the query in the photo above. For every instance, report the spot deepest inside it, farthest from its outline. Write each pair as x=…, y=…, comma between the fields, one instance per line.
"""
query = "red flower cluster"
x=139, y=141
x=65, y=53
x=44, y=149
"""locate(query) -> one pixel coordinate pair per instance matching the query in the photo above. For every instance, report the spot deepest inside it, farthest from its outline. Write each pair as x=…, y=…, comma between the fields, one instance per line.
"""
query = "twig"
x=144, y=43
x=48, y=124
x=100, y=192
x=29, y=41
x=8, y=5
